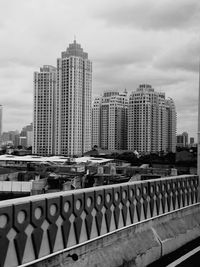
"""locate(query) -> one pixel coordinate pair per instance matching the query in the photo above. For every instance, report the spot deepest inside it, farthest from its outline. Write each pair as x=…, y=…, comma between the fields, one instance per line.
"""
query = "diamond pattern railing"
x=34, y=227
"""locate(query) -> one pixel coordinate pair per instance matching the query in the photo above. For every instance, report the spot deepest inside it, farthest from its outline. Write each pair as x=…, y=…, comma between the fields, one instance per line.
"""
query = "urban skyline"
x=66, y=123
x=105, y=169
x=160, y=47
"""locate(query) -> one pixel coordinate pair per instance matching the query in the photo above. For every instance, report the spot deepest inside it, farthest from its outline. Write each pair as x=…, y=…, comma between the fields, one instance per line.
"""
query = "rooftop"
x=57, y=159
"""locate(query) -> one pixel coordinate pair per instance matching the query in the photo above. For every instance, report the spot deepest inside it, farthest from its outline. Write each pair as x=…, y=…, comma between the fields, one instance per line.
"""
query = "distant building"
x=109, y=121
x=96, y=122
x=23, y=141
x=43, y=124
x=185, y=139
x=73, y=102
x=29, y=136
x=14, y=138
x=179, y=140
x=192, y=141
x=151, y=121
x=27, y=132
x=16, y=141
x=182, y=140
x=10, y=138
x=171, y=125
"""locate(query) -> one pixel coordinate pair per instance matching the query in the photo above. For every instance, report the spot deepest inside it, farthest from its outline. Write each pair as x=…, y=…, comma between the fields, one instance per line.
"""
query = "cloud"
x=131, y=55
x=184, y=55
x=131, y=75
x=129, y=42
x=151, y=14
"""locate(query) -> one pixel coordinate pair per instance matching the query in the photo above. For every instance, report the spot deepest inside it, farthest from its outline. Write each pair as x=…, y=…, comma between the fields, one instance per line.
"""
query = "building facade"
x=171, y=122
x=10, y=138
x=182, y=140
x=27, y=132
x=96, y=122
x=73, y=102
x=109, y=121
x=43, y=121
x=192, y=144
x=151, y=121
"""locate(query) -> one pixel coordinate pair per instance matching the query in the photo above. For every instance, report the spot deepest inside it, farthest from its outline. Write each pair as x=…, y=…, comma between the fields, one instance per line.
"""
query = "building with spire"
x=62, y=105
x=73, y=102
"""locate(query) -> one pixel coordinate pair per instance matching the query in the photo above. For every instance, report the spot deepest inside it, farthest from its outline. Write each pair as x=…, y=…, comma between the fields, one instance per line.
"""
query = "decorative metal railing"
x=33, y=227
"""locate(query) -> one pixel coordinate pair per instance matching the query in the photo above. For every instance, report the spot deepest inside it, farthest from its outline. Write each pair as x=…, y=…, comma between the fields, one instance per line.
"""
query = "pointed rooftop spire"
x=74, y=49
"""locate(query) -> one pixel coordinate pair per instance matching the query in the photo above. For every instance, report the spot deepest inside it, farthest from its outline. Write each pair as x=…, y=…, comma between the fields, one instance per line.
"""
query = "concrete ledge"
x=138, y=245
x=178, y=228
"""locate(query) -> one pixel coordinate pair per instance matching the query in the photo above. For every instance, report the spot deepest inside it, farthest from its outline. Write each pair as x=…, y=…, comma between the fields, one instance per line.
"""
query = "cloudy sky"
x=129, y=42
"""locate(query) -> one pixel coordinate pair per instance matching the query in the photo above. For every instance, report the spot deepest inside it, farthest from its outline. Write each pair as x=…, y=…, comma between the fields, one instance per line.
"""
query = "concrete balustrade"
x=34, y=227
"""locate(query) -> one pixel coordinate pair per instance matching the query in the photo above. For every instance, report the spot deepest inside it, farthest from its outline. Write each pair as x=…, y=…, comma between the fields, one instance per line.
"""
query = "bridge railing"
x=34, y=227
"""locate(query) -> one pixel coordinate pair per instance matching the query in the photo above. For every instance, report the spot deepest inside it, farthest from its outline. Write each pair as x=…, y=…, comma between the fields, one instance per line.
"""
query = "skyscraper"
x=43, y=121
x=73, y=102
x=109, y=121
x=96, y=122
x=171, y=122
x=151, y=121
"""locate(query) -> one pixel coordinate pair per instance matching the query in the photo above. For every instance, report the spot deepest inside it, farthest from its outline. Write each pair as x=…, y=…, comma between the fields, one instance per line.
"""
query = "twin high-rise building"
x=145, y=123
x=66, y=123
x=151, y=121
x=62, y=105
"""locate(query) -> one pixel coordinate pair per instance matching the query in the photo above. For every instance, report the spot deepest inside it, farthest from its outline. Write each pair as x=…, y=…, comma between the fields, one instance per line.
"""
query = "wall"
x=139, y=245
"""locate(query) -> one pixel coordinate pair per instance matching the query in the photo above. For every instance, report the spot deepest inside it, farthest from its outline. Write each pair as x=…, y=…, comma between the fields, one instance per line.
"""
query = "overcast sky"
x=129, y=42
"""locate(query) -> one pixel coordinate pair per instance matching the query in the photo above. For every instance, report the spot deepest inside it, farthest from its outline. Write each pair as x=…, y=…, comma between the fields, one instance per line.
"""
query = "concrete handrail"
x=33, y=227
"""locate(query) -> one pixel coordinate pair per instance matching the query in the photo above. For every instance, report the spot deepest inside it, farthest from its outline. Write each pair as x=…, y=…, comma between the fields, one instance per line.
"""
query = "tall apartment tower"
x=151, y=121
x=109, y=121
x=73, y=102
x=172, y=118
x=43, y=121
x=96, y=122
